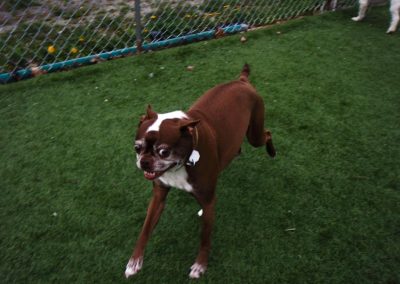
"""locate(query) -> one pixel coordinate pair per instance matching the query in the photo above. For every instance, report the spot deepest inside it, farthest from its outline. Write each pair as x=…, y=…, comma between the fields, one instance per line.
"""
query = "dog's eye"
x=164, y=153
x=138, y=148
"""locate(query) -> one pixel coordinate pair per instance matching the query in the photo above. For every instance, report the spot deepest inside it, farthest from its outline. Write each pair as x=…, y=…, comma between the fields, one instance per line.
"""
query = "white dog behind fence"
x=394, y=10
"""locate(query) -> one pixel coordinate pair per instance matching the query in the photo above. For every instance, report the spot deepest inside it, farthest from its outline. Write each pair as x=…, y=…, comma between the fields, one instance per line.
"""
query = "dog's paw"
x=390, y=31
x=197, y=270
x=133, y=266
x=356, y=19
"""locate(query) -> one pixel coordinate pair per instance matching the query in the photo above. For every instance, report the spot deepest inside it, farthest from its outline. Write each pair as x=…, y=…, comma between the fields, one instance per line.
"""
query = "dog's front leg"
x=362, y=10
x=200, y=266
x=395, y=12
x=154, y=211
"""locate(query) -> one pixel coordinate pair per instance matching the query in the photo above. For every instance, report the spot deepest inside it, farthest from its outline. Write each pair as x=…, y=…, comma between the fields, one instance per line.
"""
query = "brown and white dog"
x=189, y=150
x=394, y=11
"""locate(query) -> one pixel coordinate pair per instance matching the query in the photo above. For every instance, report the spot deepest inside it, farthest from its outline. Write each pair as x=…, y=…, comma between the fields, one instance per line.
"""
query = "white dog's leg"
x=394, y=10
x=334, y=5
x=329, y=5
x=362, y=10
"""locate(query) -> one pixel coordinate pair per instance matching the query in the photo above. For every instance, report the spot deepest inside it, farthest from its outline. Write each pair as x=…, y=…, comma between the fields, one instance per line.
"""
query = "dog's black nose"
x=145, y=164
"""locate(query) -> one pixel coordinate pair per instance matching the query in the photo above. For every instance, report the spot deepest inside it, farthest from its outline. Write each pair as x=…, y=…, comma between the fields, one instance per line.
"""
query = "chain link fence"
x=38, y=36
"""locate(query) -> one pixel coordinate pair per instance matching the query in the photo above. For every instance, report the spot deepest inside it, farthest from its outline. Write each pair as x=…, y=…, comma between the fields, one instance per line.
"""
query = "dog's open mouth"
x=152, y=175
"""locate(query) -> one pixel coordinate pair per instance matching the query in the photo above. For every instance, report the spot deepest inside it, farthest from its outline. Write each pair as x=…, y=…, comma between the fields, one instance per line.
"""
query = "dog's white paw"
x=390, y=31
x=133, y=267
x=197, y=270
x=356, y=19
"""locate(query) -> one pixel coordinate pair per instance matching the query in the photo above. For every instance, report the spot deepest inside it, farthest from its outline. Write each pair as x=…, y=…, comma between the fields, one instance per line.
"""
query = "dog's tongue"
x=150, y=175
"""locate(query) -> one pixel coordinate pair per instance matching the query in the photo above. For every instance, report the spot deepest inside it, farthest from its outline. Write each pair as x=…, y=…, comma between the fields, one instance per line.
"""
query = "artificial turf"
x=326, y=210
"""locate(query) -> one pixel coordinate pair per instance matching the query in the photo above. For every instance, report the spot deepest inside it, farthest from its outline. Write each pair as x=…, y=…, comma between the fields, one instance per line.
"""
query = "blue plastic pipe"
x=26, y=73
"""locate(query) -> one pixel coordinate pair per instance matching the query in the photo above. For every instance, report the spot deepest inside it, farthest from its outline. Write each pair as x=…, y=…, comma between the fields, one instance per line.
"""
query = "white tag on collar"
x=194, y=158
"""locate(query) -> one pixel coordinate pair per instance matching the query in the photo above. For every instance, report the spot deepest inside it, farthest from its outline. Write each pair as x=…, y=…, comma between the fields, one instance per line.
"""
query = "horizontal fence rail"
x=39, y=36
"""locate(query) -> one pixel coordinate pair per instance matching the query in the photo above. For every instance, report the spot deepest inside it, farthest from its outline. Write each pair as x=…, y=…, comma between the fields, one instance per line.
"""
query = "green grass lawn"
x=326, y=210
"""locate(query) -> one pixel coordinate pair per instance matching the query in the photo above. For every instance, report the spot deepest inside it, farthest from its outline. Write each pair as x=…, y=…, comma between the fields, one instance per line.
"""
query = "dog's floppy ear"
x=150, y=114
x=188, y=125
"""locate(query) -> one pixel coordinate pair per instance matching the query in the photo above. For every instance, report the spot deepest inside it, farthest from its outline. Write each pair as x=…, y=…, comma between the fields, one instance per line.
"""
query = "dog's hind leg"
x=362, y=10
x=257, y=135
x=394, y=10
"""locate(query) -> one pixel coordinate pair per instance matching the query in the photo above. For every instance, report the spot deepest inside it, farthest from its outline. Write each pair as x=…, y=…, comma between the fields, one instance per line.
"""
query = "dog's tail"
x=244, y=76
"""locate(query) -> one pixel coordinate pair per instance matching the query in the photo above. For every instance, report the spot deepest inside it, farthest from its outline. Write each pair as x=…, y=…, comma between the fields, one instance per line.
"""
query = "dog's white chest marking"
x=177, y=178
x=163, y=116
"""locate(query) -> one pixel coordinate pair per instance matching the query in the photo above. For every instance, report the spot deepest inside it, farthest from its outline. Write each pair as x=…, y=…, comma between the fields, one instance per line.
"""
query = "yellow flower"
x=213, y=14
x=81, y=39
x=153, y=17
x=188, y=16
x=145, y=30
x=226, y=6
x=51, y=49
x=74, y=50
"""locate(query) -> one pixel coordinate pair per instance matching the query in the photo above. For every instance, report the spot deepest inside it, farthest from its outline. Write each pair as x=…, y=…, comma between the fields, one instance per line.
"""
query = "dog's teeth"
x=149, y=175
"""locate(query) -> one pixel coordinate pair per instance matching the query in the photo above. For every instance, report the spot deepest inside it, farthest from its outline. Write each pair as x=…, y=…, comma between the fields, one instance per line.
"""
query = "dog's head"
x=163, y=142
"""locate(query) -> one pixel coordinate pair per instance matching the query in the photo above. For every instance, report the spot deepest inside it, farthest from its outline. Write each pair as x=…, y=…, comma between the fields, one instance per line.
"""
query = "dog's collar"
x=195, y=155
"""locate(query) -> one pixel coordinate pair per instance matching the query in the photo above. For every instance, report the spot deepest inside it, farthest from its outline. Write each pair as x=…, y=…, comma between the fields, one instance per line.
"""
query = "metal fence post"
x=138, y=22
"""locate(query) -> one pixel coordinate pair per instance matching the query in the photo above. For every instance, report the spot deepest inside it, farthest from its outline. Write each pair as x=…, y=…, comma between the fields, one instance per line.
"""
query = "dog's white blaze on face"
x=177, y=178
x=163, y=116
